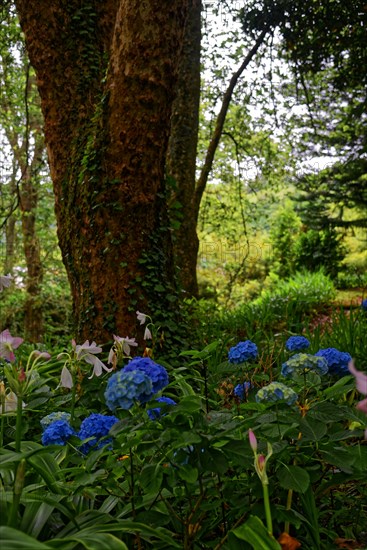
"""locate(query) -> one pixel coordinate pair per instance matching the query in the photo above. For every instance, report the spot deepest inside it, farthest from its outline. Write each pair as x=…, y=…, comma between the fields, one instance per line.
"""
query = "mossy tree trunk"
x=181, y=158
x=106, y=75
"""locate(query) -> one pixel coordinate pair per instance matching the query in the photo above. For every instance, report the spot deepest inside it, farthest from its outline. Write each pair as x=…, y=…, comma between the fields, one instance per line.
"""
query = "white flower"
x=147, y=334
x=111, y=356
x=11, y=403
x=142, y=317
x=121, y=344
x=87, y=353
x=5, y=281
x=66, y=378
x=127, y=342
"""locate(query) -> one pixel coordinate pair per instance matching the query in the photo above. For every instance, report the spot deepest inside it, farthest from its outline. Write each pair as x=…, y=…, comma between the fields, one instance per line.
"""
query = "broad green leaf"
x=255, y=532
x=188, y=473
x=185, y=388
x=339, y=457
x=189, y=404
x=35, y=517
x=47, y=467
x=12, y=539
x=312, y=430
x=151, y=478
x=293, y=477
x=94, y=541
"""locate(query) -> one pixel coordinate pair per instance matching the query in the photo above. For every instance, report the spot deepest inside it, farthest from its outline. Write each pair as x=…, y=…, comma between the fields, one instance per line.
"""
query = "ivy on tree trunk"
x=106, y=74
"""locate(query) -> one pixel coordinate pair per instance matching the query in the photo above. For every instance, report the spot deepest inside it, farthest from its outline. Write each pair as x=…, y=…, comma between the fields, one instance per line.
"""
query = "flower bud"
x=21, y=375
x=252, y=440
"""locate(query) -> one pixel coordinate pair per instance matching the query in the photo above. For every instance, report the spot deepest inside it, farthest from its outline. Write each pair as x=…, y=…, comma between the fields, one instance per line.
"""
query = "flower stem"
x=18, y=424
x=17, y=493
x=288, y=507
x=73, y=398
x=2, y=421
x=269, y=522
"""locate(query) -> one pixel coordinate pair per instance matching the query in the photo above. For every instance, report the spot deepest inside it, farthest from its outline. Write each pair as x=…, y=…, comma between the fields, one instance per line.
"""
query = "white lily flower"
x=86, y=349
x=5, y=281
x=147, y=334
x=86, y=352
x=142, y=317
x=66, y=380
x=11, y=403
x=127, y=343
x=111, y=356
x=98, y=366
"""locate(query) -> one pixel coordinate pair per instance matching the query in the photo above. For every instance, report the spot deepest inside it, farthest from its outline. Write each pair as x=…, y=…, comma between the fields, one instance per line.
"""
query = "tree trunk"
x=181, y=158
x=33, y=308
x=107, y=140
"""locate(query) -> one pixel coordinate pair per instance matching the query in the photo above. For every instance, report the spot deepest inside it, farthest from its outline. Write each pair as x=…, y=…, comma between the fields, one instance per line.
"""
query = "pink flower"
x=361, y=378
x=8, y=344
x=361, y=385
x=253, y=440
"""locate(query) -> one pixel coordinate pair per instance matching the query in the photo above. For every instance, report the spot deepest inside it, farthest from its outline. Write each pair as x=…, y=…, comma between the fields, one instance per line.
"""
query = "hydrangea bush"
x=302, y=363
x=124, y=388
x=242, y=352
x=276, y=391
x=297, y=343
x=165, y=473
x=336, y=360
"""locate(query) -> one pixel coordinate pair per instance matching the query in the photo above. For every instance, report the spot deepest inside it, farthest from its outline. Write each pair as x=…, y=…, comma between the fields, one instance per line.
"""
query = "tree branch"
x=205, y=171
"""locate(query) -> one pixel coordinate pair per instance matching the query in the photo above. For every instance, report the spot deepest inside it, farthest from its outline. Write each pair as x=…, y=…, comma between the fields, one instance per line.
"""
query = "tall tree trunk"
x=9, y=245
x=107, y=140
x=10, y=230
x=181, y=158
x=33, y=309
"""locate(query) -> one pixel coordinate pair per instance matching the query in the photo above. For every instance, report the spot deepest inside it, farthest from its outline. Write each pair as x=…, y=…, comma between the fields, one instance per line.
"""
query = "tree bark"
x=106, y=74
x=182, y=149
x=33, y=308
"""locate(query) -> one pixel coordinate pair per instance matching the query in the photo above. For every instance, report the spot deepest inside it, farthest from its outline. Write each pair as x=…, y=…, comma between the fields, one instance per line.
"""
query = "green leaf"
x=189, y=404
x=312, y=430
x=255, y=532
x=12, y=539
x=339, y=457
x=96, y=541
x=293, y=477
x=188, y=473
x=151, y=478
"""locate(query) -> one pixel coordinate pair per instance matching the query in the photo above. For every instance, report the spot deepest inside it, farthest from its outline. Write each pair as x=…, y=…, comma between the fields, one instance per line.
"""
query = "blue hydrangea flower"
x=154, y=414
x=96, y=426
x=243, y=351
x=297, y=343
x=241, y=390
x=123, y=388
x=303, y=363
x=59, y=415
x=364, y=304
x=337, y=360
x=276, y=391
x=156, y=373
x=57, y=433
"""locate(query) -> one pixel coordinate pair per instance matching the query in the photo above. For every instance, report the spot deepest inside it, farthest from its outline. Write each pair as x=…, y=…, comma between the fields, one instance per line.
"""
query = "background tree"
x=21, y=122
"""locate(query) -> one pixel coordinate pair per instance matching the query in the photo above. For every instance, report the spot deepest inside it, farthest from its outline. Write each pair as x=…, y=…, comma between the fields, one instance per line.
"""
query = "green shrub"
x=303, y=292
x=319, y=249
